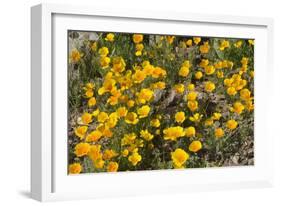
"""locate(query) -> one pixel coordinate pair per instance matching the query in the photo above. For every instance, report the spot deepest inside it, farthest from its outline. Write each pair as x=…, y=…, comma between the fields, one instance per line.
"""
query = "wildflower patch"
x=151, y=102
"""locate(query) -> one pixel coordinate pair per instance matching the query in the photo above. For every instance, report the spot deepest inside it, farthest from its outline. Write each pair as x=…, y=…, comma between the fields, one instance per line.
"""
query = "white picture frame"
x=49, y=179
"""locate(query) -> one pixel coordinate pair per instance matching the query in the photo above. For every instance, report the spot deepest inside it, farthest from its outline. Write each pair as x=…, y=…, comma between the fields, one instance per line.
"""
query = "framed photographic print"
x=135, y=102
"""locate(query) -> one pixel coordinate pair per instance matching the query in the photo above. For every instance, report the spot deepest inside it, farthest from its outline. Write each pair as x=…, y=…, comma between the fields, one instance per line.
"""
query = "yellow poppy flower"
x=131, y=118
x=196, y=117
x=139, y=76
x=137, y=38
x=224, y=44
x=179, y=88
x=95, y=152
x=195, y=146
x=89, y=93
x=231, y=124
x=82, y=149
x=170, y=39
x=251, y=42
x=92, y=102
x=158, y=72
x=155, y=123
x=109, y=154
x=180, y=117
x=131, y=103
x=81, y=131
x=219, y=132
x=99, y=163
x=159, y=85
x=198, y=75
x=112, y=120
x=172, y=133
x=196, y=40
x=94, y=136
x=191, y=96
x=143, y=111
x=125, y=153
x=112, y=167
x=94, y=46
x=209, y=86
x=238, y=107
x=245, y=94
x=86, y=118
x=209, y=122
x=135, y=158
x=204, y=49
x=190, y=87
x=108, y=86
x=145, y=134
x=188, y=42
x=139, y=48
x=104, y=62
x=204, y=63
x=102, y=117
x=220, y=74
x=122, y=111
x=231, y=91
x=238, y=44
x=192, y=105
x=179, y=157
x=184, y=71
x=103, y=51
x=75, y=55
x=144, y=95
x=75, y=168
x=210, y=69
x=118, y=64
x=216, y=116
x=190, y=131
x=109, y=37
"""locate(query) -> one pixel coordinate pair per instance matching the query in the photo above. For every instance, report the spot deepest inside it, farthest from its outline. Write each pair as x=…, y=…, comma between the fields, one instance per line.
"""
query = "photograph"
x=141, y=102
